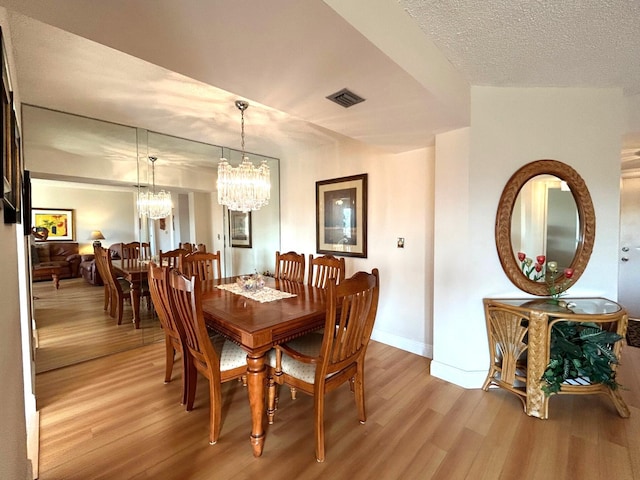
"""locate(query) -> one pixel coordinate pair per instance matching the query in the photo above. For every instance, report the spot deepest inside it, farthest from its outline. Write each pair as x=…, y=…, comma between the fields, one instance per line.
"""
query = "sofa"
x=45, y=255
x=89, y=271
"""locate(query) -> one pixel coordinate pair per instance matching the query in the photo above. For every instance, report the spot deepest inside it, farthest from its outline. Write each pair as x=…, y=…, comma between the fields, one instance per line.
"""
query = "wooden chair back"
x=205, y=266
x=118, y=290
x=351, y=313
x=173, y=330
x=290, y=266
x=186, y=304
x=100, y=255
x=189, y=247
x=159, y=288
x=322, y=269
x=105, y=267
x=136, y=251
x=171, y=258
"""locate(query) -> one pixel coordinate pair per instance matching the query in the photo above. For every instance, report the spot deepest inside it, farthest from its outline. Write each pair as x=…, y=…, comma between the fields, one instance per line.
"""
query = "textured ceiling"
x=537, y=43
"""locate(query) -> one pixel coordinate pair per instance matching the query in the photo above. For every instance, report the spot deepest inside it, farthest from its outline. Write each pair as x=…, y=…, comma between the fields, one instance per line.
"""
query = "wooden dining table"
x=136, y=273
x=257, y=327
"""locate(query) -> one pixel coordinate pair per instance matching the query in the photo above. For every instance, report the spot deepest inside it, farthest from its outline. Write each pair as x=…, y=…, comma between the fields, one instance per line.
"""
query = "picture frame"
x=341, y=216
x=10, y=187
x=240, y=229
x=60, y=222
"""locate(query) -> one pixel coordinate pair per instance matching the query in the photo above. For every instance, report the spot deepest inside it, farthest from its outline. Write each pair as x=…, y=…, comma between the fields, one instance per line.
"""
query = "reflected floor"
x=71, y=325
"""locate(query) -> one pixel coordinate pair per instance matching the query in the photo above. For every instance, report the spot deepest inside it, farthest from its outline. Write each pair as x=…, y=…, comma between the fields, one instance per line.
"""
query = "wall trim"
x=463, y=378
x=412, y=346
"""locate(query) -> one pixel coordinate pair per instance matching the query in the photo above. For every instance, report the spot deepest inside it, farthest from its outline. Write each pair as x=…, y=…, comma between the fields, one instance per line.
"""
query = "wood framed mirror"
x=584, y=231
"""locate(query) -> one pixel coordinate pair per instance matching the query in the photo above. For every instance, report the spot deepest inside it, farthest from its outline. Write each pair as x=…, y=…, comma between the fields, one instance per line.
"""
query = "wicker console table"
x=519, y=332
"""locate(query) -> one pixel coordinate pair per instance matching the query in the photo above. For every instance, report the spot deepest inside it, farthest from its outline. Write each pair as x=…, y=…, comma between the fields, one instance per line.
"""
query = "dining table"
x=257, y=325
x=135, y=272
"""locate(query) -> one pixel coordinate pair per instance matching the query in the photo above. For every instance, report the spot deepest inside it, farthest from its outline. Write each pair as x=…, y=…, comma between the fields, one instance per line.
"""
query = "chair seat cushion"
x=308, y=345
x=231, y=355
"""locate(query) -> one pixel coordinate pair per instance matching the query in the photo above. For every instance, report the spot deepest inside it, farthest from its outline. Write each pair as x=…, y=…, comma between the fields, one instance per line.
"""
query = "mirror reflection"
x=96, y=169
x=541, y=224
x=544, y=223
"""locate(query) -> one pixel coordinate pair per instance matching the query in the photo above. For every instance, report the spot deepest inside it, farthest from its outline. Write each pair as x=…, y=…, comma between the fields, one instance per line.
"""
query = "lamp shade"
x=97, y=235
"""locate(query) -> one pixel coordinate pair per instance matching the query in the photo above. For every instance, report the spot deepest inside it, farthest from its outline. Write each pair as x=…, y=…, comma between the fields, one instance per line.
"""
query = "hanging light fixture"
x=151, y=204
x=245, y=187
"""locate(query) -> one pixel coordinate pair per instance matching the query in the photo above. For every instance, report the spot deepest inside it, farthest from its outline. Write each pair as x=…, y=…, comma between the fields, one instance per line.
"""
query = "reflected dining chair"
x=119, y=288
x=322, y=269
x=217, y=359
x=318, y=363
x=136, y=250
x=98, y=254
x=171, y=258
x=203, y=265
x=174, y=336
x=290, y=266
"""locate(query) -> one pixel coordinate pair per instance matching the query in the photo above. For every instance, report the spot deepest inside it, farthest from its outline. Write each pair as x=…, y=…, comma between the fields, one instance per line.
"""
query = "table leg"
x=537, y=402
x=135, y=302
x=256, y=376
x=56, y=280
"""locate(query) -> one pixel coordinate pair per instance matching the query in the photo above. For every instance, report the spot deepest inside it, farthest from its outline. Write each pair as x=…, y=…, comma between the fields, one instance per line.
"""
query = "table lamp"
x=96, y=236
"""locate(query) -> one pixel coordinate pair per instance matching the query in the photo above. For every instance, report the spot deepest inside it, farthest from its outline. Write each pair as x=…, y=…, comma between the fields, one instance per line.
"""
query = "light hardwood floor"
x=113, y=418
x=73, y=327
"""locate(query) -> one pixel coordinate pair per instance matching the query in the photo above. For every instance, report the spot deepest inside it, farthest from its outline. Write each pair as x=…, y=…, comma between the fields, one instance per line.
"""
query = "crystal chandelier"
x=245, y=187
x=151, y=204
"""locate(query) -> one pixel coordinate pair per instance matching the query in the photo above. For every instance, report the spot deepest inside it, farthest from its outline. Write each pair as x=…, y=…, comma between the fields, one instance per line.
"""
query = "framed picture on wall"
x=240, y=229
x=341, y=216
x=59, y=222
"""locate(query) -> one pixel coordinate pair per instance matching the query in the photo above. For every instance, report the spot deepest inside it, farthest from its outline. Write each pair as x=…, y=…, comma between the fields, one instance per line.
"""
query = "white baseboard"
x=403, y=343
x=462, y=378
x=33, y=444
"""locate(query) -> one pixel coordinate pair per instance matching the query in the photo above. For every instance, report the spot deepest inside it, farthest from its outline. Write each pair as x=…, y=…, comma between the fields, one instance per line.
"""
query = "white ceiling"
x=177, y=67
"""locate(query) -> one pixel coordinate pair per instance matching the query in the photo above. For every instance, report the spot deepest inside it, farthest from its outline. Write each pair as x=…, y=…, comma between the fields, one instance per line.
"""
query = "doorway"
x=629, y=254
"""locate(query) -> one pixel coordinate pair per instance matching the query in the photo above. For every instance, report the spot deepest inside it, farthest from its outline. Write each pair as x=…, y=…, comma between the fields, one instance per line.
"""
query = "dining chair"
x=205, y=266
x=136, y=250
x=318, y=363
x=189, y=247
x=290, y=266
x=99, y=254
x=322, y=269
x=174, y=336
x=201, y=247
x=217, y=359
x=119, y=288
x=171, y=258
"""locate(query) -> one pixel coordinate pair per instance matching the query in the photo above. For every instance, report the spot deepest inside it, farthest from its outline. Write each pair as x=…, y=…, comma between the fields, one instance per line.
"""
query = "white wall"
x=16, y=396
x=509, y=128
x=400, y=204
x=113, y=212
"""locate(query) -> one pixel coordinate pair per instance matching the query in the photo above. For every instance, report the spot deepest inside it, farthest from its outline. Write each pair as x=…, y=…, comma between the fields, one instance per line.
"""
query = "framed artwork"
x=59, y=222
x=240, y=229
x=341, y=216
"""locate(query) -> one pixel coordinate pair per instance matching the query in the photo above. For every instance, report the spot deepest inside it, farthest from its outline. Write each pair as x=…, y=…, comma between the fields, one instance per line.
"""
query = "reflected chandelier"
x=151, y=204
x=245, y=187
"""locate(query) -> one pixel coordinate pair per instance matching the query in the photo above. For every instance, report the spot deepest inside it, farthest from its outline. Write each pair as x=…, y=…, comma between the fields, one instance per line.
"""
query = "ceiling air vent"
x=345, y=98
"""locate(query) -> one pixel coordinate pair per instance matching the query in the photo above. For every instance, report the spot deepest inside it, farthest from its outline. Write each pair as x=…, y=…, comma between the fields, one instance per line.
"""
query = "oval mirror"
x=545, y=209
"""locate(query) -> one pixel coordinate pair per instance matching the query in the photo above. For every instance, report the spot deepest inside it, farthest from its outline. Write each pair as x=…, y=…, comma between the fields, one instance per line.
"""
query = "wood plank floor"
x=113, y=418
x=73, y=327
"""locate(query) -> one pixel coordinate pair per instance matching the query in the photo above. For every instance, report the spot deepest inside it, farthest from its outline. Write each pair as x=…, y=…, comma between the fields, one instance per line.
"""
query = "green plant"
x=580, y=350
